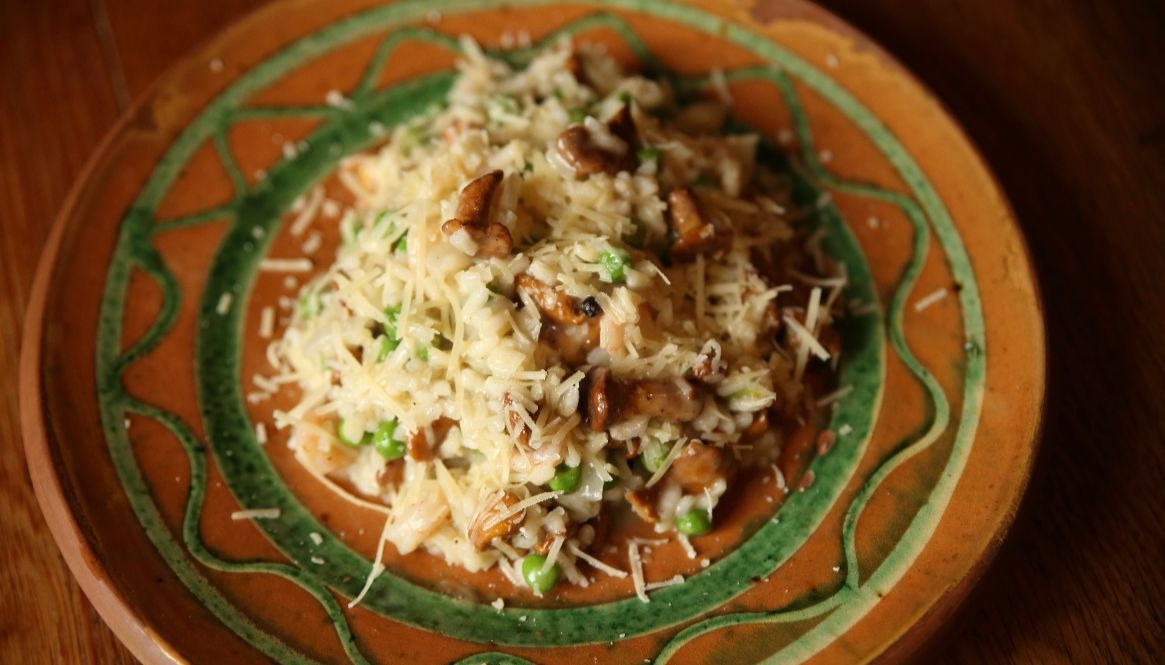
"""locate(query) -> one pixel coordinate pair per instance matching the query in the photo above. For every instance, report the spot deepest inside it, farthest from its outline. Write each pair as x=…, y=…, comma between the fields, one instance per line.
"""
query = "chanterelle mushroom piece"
x=601, y=404
x=694, y=234
x=472, y=217
x=585, y=154
x=554, y=304
x=622, y=125
x=699, y=466
x=492, y=520
x=574, y=64
x=514, y=422
x=643, y=503
x=610, y=399
x=572, y=343
x=423, y=443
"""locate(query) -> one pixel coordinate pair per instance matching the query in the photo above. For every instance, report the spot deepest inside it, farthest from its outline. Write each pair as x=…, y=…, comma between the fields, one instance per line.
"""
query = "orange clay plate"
x=143, y=342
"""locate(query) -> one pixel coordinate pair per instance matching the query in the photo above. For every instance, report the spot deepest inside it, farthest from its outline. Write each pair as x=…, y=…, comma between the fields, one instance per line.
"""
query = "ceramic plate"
x=141, y=440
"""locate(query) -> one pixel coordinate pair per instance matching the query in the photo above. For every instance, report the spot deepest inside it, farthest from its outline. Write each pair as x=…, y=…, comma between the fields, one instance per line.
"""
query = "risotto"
x=566, y=292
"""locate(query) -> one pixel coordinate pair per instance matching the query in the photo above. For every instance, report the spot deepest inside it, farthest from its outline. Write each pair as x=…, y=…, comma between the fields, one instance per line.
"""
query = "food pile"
x=566, y=293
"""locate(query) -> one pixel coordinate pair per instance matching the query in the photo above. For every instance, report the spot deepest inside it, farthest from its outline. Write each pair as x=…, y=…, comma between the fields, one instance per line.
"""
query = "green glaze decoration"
x=253, y=481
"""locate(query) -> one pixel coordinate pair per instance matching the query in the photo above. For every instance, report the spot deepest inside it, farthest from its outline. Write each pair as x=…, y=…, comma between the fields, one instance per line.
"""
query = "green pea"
x=695, y=522
x=654, y=454
x=647, y=153
x=364, y=439
x=613, y=261
x=391, y=315
x=385, y=443
x=386, y=346
x=540, y=581
x=566, y=478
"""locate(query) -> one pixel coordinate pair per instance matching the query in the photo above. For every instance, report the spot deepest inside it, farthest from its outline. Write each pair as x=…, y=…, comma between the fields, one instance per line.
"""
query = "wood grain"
x=1066, y=102
x=57, y=102
x=1066, y=107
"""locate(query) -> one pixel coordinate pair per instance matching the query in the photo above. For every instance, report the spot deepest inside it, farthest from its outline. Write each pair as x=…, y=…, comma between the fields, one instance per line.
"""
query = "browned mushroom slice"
x=423, y=442
x=643, y=503
x=514, y=422
x=610, y=399
x=472, y=216
x=547, y=540
x=554, y=304
x=677, y=399
x=602, y=405
x=391, y=473
x=474, y=205
x=580, y=150
x=699, y=466
x=694, y=234
x=572, y=343
x=494, y=520
x=574, y=65
x=757, y=428
x=622, y=125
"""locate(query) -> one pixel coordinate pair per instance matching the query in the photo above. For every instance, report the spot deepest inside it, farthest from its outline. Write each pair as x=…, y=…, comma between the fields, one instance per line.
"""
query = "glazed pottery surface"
x=140, y=409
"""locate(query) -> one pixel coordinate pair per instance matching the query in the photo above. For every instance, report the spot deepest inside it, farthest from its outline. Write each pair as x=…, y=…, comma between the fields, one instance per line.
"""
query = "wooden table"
x=1067, y=102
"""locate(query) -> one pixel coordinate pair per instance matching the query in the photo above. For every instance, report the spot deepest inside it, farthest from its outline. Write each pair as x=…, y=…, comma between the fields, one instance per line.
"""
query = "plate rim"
x=91, y=572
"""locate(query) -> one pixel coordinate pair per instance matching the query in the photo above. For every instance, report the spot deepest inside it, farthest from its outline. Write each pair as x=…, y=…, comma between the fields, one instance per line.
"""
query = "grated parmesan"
x=285, y=265
x=267, y=322
x=636, y=565
x=256, y=514
x=930, y=299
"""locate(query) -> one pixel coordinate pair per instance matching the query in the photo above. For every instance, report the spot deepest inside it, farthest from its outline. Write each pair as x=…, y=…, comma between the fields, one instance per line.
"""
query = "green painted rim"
x=254, y=482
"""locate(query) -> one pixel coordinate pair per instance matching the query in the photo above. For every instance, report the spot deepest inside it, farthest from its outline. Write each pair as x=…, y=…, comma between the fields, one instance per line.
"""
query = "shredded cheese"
x=835, y=396
x=377, y=565
x=930, y=299
x=267, y=322
x=285, y=265
x=256, y=514
x=311, y=208
x=636, y=565
x=596, y=563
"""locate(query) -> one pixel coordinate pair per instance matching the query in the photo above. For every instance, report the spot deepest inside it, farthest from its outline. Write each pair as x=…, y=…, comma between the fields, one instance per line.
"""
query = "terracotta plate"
x=143, y=342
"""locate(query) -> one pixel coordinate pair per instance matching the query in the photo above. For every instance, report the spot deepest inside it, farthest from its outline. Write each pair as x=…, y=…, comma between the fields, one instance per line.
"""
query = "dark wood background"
x=1066, y=99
